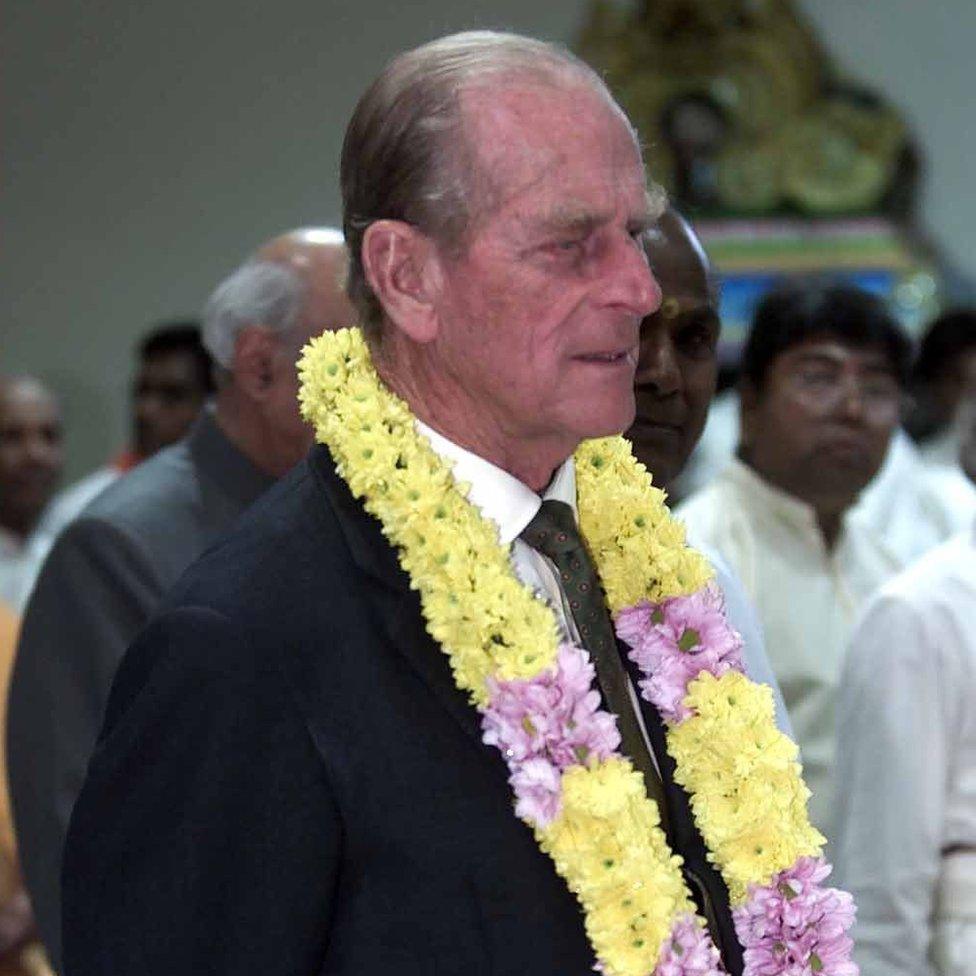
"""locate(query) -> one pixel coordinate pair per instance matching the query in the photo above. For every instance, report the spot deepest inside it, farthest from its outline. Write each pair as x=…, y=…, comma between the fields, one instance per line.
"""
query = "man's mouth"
x=643, y=427
x=611, y=357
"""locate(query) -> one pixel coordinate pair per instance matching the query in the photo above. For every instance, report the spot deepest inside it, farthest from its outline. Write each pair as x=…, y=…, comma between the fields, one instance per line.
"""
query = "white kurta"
x=807, y=599
x=21, y=561
x=906, y=770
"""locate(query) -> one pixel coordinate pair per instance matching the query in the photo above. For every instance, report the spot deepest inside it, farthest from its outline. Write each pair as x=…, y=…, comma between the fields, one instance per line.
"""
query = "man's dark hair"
x=179, y=336
x=952, y=333
x=797, y=312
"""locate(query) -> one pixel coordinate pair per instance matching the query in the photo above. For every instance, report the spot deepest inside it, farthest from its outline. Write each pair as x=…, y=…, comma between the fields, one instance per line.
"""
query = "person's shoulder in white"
x=707, y=512
x=906, y=729
x=911, y=505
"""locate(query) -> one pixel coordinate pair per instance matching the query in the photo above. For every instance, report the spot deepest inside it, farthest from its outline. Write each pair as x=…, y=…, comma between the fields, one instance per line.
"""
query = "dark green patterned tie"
x=553, y=532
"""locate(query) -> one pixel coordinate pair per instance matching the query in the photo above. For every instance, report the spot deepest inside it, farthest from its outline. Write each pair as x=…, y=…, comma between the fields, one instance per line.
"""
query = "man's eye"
x=817, y=378
x=698, y=338
x=568, y=246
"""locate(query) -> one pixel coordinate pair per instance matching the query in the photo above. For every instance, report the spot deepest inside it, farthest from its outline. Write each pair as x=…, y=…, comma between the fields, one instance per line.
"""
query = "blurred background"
x=148, y=147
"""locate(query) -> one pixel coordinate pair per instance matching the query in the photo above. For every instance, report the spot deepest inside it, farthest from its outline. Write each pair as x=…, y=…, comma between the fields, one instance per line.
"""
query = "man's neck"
x=450, y=413
x=245, y=427
x=19, y=524
x=828, y=511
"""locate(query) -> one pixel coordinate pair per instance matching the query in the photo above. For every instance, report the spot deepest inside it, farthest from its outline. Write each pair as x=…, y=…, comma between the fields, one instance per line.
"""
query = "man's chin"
x=606, y=419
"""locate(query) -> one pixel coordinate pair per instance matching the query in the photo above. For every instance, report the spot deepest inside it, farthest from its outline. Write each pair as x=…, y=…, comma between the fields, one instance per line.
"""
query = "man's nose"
x=633, y=285
x=657, y=367
x=40, y=450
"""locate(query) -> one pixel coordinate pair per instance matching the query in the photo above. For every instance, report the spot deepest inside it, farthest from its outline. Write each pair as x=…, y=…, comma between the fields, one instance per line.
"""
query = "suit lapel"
x=397, y=606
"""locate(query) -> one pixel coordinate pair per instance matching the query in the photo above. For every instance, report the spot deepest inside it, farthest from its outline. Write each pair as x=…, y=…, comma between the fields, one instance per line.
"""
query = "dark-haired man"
x=943, y=377
x=174, y=377
x=821, y=393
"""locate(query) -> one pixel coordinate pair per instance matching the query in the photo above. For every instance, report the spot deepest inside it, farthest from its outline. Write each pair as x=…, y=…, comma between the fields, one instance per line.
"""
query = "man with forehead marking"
x=674, y=385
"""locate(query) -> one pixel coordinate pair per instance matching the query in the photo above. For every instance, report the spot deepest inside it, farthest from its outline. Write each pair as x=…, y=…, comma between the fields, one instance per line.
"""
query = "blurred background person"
x=21, y=953
x=174, y=378
x=111, y=566
x=944, y=376
x=673, y=386
x=31, y=460
x=821, y=393
x=906, y=767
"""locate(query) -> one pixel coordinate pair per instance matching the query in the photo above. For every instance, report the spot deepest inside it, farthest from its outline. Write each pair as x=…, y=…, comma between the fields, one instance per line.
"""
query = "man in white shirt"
x=673, y=386
x=822, y=386
x=30, y=465
x=906, y=770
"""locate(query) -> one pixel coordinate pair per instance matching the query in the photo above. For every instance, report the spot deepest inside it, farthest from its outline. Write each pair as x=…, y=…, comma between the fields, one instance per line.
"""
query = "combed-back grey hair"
x=257, y=293
x=405, y=157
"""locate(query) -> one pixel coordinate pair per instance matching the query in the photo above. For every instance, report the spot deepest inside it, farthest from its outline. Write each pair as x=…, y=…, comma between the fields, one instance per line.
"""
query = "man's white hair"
x=257, y=293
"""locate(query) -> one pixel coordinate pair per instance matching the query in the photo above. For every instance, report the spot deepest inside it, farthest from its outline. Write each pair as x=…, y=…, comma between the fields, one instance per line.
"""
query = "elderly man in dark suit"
x=110, y=567
x=289, y=779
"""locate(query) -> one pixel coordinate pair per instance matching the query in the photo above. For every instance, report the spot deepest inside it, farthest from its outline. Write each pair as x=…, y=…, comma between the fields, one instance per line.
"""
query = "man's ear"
x=402, y=268
x=254, y=362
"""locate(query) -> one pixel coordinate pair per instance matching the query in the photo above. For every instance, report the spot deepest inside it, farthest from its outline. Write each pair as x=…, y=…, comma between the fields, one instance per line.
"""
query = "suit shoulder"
x=287, y=545
x=149, y=493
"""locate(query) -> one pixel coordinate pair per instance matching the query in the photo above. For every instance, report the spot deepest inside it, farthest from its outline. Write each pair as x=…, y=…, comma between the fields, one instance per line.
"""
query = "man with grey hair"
x=289, y=780
x=110, y=568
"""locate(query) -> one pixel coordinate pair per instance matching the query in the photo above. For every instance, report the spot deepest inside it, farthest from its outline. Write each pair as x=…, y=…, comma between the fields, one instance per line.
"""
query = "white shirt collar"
x=499, y=496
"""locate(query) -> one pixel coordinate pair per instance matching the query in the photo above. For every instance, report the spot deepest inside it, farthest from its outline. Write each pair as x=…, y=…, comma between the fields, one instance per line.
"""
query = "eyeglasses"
x=826, y=387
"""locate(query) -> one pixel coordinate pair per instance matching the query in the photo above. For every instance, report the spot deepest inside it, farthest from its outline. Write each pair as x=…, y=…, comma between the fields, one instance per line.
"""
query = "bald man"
x=30, y=466
x=673, y=388
x=111, y=567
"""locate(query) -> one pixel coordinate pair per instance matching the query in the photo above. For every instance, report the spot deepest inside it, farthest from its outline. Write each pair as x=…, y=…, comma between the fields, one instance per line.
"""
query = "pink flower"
x=545, y=725
x=796, y=926
x=689, y=952
x=674, y=641
x=537, y=790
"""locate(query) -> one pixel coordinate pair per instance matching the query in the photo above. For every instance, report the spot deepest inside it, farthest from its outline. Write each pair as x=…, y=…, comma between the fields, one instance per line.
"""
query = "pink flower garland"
x=548, y=723
x=674, y=641
x=545, y=725
x=793, y=926
x=689, y=952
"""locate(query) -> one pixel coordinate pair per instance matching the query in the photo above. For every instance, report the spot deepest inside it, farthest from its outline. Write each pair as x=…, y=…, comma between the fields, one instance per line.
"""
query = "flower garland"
x=586, y=804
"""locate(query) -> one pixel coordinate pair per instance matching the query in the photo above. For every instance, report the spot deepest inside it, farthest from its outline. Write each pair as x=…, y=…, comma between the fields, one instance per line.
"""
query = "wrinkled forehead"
x=519, y=131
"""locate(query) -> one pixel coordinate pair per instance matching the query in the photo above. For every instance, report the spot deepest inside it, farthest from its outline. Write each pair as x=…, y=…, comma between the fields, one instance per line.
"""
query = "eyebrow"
x=569, y=220
x=873, y=365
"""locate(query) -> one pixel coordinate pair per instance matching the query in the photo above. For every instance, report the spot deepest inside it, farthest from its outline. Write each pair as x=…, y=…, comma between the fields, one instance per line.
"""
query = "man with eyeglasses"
x=823, y=373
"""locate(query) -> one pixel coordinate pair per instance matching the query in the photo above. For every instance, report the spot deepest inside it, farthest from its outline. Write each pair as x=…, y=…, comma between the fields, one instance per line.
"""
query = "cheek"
x=699, y=384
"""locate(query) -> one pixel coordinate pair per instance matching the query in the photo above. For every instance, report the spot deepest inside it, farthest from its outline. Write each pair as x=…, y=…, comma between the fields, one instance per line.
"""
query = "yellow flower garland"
x=747, y=795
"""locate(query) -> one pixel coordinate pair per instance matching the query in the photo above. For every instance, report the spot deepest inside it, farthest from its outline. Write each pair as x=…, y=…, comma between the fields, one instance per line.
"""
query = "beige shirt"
x=807, y=599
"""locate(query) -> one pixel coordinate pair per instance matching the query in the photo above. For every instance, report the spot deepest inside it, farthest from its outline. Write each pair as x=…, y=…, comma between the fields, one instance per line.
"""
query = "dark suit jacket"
x=106, y=574
x=288, y=781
